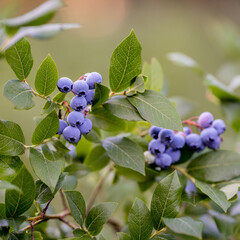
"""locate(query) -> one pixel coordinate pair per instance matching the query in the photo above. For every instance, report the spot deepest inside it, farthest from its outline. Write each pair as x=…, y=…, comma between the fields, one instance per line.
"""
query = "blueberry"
x=190, y=187
x=62, y=126
x=72, y=134
x=80, y=88
x=166, y=136
x=193, y=141
x=186, y=130
x=201, y=148
x=93, y=78
x=89, y=96
x=156, y=147
x=78, y=103
x=75, y=119
x=163, y=160
x=219, y=125
x=174, y=154
x=205, y=119
x=215, y=144
x=86, y=127
x=154, y=131
x=85, y=76
x=178, y=142
x=208, y=135
x=65, y=85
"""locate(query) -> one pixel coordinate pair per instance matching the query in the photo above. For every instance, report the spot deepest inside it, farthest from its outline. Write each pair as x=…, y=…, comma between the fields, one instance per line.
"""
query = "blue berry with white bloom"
x=174, y=154
x=86, y=127
x=65, y=85
x=154, y=131
x=219, y=125
x=193, y=141
x=186, y=130
x=156, y=147
x=163, y=160
x=93, y=78
x=178, y=142
x=166, y=136
x=80, y=88
x=72, y=134
x=89, y=96
x=78, y=103
x=62, y=126
x=215, y=144
x=205, y=119
x=190, y=187
x=208, y=135
x=75, y=119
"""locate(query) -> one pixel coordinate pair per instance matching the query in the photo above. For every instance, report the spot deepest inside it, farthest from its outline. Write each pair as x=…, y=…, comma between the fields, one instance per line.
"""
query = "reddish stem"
x=191, y=123
x=31, y=226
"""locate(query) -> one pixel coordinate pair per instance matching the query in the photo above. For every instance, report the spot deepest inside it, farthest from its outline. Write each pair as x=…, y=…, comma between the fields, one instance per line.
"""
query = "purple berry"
x=75, y=119
x=154, y=131
x=219, y=125
x=65, y=85
x=78, y=103
x=89, y=96
x=163, y=160
x=86, y=127
x=80, y=88
x=186, y=130
x=166, y=136
x=93, y=78
x=205, y=119
x=62, y=126
x=174, y=154
x=72, y=134
x=201, y=148
x=215, y=144
x=156, y=147
x=190, y=187
x=208, y=135
x=193, y=141
x=178, y=142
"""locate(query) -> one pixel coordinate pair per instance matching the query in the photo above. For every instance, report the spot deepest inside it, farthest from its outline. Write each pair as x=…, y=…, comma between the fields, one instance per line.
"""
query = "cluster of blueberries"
x=166, y=144
x=83, y=90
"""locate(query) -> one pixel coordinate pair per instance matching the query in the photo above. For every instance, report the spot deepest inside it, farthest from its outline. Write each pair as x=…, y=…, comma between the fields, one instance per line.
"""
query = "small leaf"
x=185, y=225
x=98, y=216
x=19, y=93
x=77, y=205
x=156, y=109
x=140, y=221
x=60, y=147
x=166, y=199
x=230, y=189
x=123, y=236
x=4, y=185
x=125, y=63
x=43, y=192
x=125, y=153
x=47, y=128
x=138, y=85
x=101, y=95
x=46, y=77
x=20, y=59
x=11, y=139
x=49, y=107
x=59, y=97
x=93, y=136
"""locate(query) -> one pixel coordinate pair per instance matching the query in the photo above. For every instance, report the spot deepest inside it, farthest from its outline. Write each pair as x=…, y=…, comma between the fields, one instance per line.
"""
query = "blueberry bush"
x=136, y=134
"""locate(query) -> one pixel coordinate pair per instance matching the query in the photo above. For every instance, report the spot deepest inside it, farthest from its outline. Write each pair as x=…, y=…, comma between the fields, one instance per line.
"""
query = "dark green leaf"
x=60, y=147
x=98, y=216
x=47, y=128
x=125, y=63
x=140, y=221
x=11, y=139
x=59, y=97
x=194, y=198
x=81, y=234
x=49, y=107
x=17, y=236
x=166, y=199
x=2, y=211
x=46, y=77
x=19, y=93
x=77, y=169
x=20, y=59
x=125, y=153
x=43, y=192
x=123, y=236
x=101, y=95
x=156, y=109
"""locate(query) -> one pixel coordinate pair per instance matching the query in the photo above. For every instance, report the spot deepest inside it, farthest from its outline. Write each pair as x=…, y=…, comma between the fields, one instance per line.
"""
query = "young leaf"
x=125, y=63
x=77, y=205
x=138, y=85
x=98, y=216
x=46, y=169
x=125, y=153
x=214, y=194
x=122, y=108
x=166, y=199
x=19, y=57
x=123, y=236
x=19, y=93
x=140, y=221
x=101, y=95
x=47, y=128
x=46, y=77
x=185, y=225
x=215, y=166
x=156, y=109
x=11, y=139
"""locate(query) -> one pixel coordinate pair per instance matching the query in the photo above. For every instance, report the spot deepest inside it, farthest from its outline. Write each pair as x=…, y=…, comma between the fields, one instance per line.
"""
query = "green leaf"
x=20, y=59
x=214, y=194
x=81, y=234
x=11, y=139
x=2, y=211
x=98, y=216
x=77, y=205
x=101, y=237
x=215, y=166
x=138, y=85
x=36, y=235
x=77, y=169
x=194, y=198
x=19, y=93
x=105, y=120
x=122, y=108
x=156, y=109
x=43, y=192
x=162, y=236
x=93, y=136
x=125, y=63
x=140, y=221
x=17, y=202
x=4, y=185
x=70, y=183
x=45, y=168
x=230, y=189
x=101, y=95
x=59, y=97
x=46, y=77
x=166, y=199
x=49, y=107
x=60, y=147
x=47, y=128
x=17, y=236
x=185, y=225
x=123, y=236
x=125, y=153
x=97, y=158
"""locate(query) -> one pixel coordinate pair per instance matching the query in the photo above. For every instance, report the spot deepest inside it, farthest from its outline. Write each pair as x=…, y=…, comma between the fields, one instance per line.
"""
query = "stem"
x=189, y=122
x=183, y=171
x=46, y=207
x=31, y=225
x=64, y=203
x=32, y=146
x=157, y=232
x=115, y=224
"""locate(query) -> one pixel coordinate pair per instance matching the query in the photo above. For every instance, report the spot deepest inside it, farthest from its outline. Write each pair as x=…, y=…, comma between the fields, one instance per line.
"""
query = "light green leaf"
x=59, y=97
x=125, y=153
x=19, y=93
x=123, y=236
x=46, y=77
x=101, y=95
x=81, y=235
x=125, y=63
x=11, y=139
x=138, y=85
x=70, y=183
x=4, y=185
x=230, y=189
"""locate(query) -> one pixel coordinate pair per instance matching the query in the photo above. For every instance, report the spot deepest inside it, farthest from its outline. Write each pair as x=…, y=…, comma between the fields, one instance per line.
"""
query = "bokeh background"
x=208, y=31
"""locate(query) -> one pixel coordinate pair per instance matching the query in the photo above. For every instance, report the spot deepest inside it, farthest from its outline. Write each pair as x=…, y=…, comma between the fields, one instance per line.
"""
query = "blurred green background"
x=208, y=31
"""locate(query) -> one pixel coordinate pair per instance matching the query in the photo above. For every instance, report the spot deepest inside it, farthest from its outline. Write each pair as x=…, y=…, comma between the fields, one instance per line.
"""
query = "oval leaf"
x=101, y=95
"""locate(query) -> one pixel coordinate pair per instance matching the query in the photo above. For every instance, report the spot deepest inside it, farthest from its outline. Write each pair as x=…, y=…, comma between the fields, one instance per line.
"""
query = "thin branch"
x=115, y=224
x=183, y=171
x=31, y=225
x=64, y=203
x=68, y=223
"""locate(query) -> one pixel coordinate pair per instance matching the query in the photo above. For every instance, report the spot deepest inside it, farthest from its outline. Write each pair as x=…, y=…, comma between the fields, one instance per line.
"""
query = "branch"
x=115, y=224
x=64, y=203
x=183, y=171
